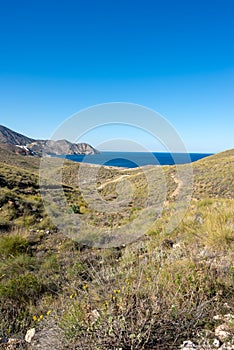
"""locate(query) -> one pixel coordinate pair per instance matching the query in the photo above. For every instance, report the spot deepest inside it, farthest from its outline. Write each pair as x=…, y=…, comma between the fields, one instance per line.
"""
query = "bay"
x=136, y=159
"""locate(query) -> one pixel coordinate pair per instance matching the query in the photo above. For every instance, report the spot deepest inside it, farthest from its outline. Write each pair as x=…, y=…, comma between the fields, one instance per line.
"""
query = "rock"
x=177, y=246
x=216, y=343
x=47, y=338
x=29, y=335
x=228, y=317
x=94, y=315
x=188, y=344
x=222, y=332
x=227, y=306
x=217, y=317
x=40, y=254
x=10, y=344
x=167, y=243
x=199, y=219
x=227, y=346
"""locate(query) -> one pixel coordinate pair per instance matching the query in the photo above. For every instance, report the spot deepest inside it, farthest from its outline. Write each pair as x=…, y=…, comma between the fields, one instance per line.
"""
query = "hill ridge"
x=21, y=144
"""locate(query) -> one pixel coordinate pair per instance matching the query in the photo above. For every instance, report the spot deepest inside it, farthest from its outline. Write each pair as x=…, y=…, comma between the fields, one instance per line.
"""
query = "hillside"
x=18, y=160
x=11, y=137
x=214, y=176
x=154, y=293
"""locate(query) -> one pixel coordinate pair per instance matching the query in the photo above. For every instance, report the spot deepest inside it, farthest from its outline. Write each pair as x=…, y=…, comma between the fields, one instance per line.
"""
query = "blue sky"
x=176, y=57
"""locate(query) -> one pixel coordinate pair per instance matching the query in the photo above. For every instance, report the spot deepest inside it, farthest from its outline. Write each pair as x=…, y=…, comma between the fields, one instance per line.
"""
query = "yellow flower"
x=41, y=317
x=48, y=312
x=85, y=286
x=34, y=318
x=71, y=296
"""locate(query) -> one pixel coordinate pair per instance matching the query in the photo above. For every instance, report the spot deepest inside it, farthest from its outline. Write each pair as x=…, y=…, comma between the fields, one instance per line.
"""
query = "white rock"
x=217, y=317
x=188, y=345
x=222, y=332
x=216, y=343
x=229, y=317
x=176, y=246
x=95, y=314
x=29, y=335
x=227, y=346
x=227, y=305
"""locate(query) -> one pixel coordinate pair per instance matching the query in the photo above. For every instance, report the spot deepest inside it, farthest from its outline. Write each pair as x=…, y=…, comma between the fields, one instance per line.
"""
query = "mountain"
x=13, y=138
x=52, y=147
x=20, y=144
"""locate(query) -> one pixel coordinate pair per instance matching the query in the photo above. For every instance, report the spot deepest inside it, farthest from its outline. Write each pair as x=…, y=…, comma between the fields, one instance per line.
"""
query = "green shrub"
x=13, y=245
x=17, y=265
x=50, y=265
x=23, y=288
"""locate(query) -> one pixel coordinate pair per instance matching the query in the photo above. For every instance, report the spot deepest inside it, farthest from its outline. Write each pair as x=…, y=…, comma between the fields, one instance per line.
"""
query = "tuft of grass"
x=218, y=228
x=13, y=245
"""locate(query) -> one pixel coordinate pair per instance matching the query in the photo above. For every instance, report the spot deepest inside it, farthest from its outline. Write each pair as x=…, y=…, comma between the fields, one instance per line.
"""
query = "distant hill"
x=20, y=144
x=52, y=147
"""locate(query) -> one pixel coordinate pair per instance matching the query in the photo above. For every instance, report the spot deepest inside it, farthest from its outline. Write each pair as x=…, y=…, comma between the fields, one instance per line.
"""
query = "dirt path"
x=179, y=185
x=112, y=181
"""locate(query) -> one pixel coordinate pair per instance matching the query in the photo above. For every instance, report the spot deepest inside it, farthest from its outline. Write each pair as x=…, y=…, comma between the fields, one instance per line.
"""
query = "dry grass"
x=152, y=294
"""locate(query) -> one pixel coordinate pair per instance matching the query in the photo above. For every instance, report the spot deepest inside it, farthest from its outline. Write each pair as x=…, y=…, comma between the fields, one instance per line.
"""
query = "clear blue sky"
x=177, y=57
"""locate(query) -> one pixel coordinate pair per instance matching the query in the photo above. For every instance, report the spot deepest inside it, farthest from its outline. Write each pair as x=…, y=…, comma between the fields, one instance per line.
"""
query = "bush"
x=17, y=265
x=22, y=288
x=13, y=245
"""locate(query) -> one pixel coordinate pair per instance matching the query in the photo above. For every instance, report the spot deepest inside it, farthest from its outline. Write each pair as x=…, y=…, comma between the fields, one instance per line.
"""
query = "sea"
x=137, y=159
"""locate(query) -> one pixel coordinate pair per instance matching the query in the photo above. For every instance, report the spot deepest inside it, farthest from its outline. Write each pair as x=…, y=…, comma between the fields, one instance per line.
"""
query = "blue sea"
x=136, y=159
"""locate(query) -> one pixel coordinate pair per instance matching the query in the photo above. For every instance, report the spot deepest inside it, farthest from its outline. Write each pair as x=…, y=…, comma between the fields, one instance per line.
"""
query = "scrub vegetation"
x=153, y=293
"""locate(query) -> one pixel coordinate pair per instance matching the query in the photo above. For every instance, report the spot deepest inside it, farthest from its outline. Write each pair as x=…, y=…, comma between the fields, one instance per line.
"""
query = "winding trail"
x=112, y=181
x=179, y=185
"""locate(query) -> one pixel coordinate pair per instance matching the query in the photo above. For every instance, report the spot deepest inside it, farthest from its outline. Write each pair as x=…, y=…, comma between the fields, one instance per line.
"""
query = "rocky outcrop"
x=221, y=339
